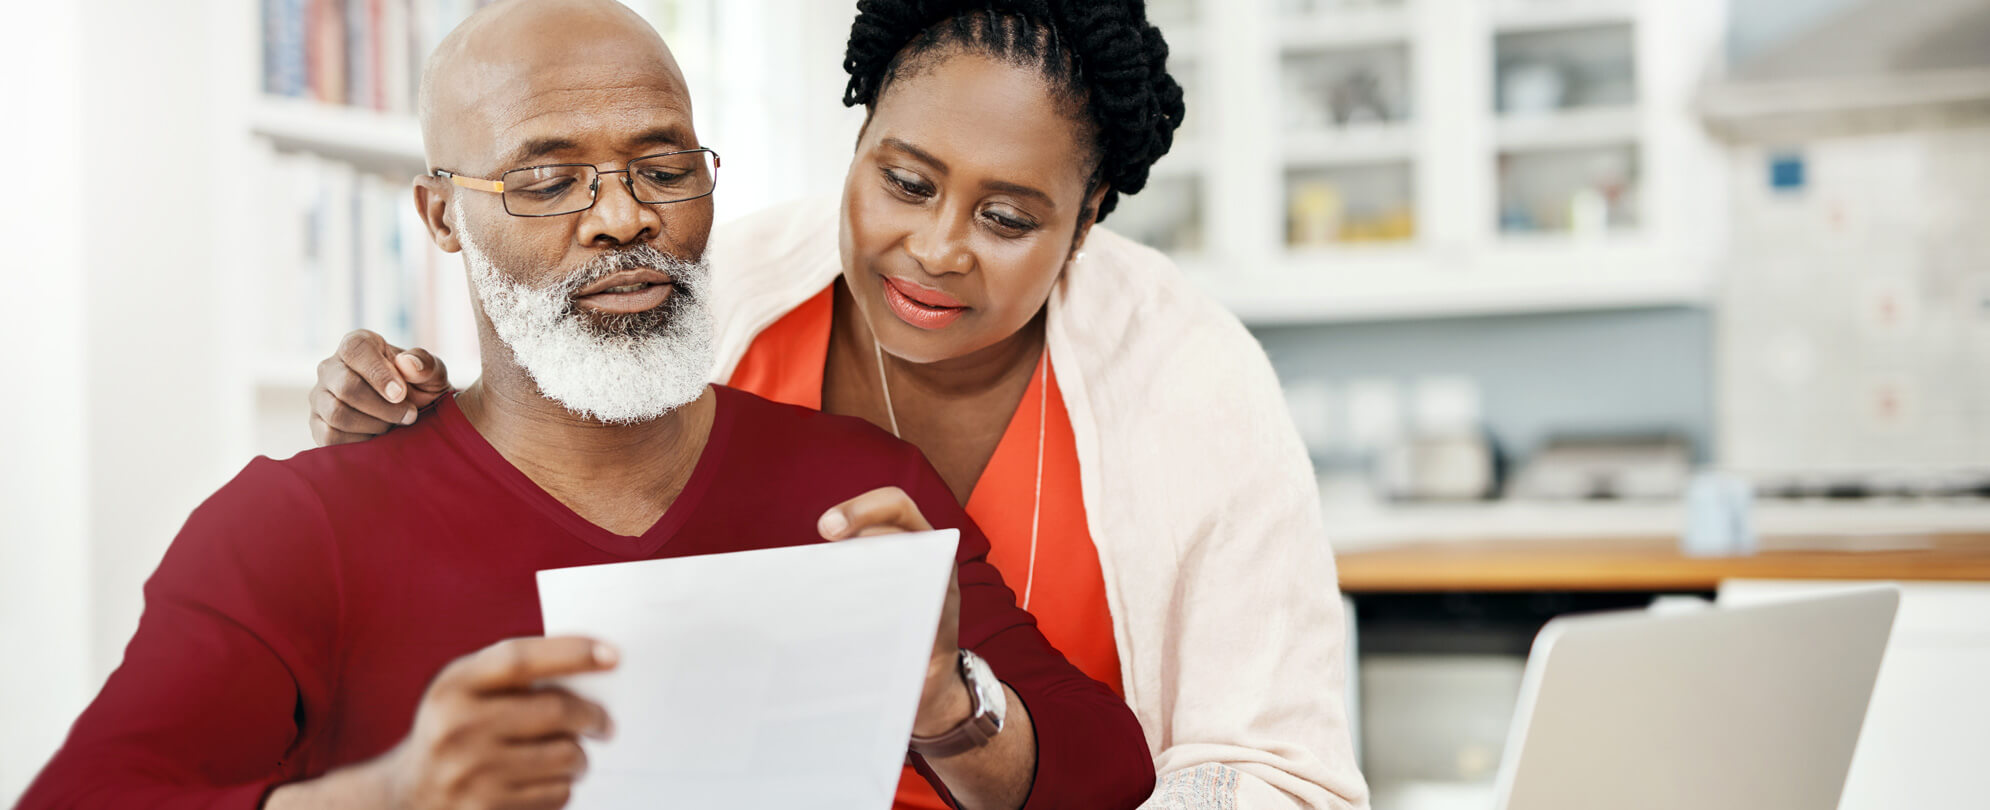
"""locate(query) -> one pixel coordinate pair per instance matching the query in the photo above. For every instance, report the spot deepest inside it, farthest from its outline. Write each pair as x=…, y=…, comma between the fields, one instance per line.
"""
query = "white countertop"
x=1354, y=523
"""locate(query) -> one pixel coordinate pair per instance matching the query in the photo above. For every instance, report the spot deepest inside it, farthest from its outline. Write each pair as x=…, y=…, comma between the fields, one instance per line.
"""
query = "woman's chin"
x=923, y=346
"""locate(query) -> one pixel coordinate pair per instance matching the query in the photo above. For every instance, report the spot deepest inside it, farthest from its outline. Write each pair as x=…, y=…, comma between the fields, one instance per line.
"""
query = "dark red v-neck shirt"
x=299, y=615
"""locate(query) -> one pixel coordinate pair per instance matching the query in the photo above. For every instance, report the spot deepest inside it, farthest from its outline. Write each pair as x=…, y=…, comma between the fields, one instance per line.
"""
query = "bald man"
x=357, y=626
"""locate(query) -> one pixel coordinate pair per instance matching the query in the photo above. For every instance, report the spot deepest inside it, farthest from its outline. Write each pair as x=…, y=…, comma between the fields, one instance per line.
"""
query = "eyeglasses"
x=551, y=191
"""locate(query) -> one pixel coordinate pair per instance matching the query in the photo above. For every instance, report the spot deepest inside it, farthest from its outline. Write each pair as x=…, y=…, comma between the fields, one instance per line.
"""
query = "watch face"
x=987, y=690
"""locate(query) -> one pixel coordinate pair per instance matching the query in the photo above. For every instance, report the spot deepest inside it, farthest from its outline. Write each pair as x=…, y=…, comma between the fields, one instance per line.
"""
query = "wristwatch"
x=988, y=705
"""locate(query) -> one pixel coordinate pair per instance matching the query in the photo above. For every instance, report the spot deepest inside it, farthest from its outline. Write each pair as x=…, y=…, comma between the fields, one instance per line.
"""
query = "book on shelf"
x=358, y=53
x=346, y=249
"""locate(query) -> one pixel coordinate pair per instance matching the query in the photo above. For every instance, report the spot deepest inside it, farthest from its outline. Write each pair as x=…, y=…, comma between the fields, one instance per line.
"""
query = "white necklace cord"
x=885, y=383
x=1036, y=510
x=1042, y=412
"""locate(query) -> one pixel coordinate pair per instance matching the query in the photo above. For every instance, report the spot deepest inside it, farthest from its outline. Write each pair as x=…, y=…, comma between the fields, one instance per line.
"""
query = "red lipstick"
x=922, y=307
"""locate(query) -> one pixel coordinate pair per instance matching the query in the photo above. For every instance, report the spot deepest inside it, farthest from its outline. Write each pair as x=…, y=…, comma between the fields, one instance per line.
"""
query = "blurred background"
x=1577, y=303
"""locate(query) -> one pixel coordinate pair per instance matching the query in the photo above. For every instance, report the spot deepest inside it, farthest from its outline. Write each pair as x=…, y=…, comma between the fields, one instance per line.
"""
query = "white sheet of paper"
x=775, y=678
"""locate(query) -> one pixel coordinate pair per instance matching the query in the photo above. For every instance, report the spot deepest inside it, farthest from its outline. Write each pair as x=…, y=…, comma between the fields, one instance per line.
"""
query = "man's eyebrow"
x=674, y=137
x=917, y=153
x=538, y=148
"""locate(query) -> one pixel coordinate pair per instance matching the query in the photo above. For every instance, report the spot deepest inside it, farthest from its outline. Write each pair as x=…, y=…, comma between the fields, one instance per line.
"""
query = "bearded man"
x=356, y=626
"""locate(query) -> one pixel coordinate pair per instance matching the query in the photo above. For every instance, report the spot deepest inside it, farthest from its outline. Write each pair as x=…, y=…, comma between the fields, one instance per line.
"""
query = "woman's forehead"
x=979, y=113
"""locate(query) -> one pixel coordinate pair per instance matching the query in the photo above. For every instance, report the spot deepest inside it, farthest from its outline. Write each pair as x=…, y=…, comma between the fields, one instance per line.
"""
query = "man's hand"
x=487, y=734
x=945, y=702
x=370, y=387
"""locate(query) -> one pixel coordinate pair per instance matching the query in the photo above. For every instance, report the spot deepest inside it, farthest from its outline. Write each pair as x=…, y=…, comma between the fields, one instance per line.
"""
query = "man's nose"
x=617, y=218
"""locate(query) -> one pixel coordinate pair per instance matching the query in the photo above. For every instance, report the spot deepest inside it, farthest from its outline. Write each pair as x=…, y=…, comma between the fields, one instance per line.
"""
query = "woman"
x=1119, y=438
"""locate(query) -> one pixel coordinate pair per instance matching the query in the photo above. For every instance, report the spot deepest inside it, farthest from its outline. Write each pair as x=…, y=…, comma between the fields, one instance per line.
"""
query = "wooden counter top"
x=1653, y=564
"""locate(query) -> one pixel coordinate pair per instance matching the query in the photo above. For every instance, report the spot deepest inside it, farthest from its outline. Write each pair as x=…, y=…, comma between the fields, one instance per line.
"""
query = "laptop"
x=1730, y=708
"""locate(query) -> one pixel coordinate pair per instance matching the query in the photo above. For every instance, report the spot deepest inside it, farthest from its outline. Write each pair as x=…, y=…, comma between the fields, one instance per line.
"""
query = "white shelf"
x=1804, y=109
x=1376, y=143
x=1344, y=29
x=1403, y=281
x=364, y=137
x=1567, y=129
x=1460, y=263
x=1515, y=16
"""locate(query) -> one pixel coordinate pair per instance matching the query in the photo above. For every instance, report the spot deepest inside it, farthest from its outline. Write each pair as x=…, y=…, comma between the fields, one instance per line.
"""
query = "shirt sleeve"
x=1243, y=685
x=1090, y=750
x=227, y=673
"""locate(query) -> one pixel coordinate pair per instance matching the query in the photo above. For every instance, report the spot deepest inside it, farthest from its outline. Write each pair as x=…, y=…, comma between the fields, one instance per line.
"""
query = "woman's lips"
x=649, y=297
x=919, y=306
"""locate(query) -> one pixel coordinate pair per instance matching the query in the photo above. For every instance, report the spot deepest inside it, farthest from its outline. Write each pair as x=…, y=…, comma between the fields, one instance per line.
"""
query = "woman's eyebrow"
x=917, y=153
x=1019, y=190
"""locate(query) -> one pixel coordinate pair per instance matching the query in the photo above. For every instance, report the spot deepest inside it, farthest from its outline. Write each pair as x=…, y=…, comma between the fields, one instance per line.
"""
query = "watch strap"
x=974, y=732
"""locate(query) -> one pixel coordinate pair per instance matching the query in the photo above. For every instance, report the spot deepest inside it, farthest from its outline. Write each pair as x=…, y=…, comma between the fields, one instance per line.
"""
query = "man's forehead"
x=513, y=128
x=546, y=141
x=510, y=80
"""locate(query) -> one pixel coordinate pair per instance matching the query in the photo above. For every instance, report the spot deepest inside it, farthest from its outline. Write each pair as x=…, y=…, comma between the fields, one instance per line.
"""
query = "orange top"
x=1064, y=587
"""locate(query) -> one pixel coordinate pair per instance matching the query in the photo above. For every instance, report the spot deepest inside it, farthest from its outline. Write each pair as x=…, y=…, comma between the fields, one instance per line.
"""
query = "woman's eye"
x=1009, y=223
x=909, y=186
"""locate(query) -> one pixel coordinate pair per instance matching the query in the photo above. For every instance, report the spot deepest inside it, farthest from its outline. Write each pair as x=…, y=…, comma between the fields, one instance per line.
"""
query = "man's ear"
x=432, y=201
x=1091, y=218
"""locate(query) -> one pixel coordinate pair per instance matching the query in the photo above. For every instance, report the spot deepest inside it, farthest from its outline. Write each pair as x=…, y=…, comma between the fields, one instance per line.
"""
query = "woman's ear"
x=432, y=202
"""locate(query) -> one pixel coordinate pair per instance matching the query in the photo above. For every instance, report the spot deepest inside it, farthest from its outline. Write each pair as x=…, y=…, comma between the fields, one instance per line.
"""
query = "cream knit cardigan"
x=1201, y=501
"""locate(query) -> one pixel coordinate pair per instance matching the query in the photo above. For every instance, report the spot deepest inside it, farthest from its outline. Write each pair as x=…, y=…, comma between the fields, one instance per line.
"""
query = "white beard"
x=614, y=369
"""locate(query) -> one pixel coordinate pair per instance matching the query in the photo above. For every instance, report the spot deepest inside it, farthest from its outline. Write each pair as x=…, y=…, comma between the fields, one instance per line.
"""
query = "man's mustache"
x=625, y=259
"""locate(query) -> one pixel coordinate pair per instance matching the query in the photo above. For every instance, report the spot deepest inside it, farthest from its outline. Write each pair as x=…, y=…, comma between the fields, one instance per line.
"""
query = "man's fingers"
x=371, y=357
x=880, y=511
x=550, y=712
x=324, y=436
x=520, y=663
x=350, y=389
x=424, y=372
x=338, y=416
x=547, y=795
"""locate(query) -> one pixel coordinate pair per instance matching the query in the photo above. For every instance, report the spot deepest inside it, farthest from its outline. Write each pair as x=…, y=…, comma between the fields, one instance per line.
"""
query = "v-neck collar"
x=1019, y=449
x=456, y=428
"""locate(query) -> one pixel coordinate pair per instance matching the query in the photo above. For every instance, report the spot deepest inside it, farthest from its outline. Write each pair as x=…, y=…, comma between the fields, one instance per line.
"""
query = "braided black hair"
x=1102, y=55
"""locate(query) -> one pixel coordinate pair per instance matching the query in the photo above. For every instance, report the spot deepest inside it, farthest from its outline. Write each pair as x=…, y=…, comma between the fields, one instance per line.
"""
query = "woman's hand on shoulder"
x=369, y=387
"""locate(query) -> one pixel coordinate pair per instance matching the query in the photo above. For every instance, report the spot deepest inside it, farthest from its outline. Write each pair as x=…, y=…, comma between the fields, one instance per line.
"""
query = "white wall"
x=155, y=439
x=113, y=433
x=44, y=562
x=767, y=86
x=778, y=116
